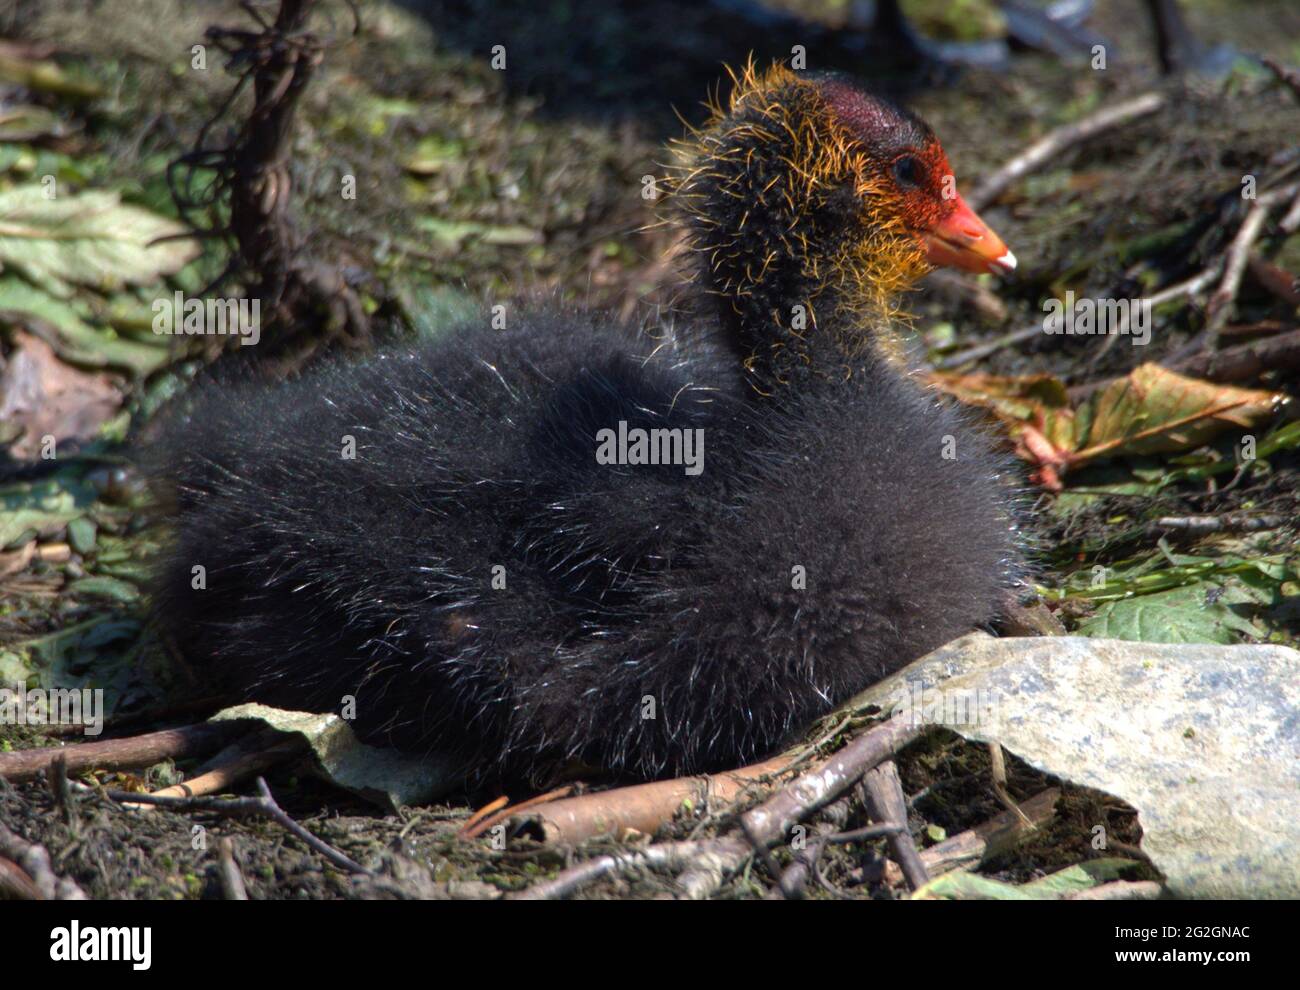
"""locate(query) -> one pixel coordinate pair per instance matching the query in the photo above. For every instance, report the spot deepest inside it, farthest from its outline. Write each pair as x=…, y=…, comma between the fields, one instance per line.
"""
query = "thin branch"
x=232, y=880
x=970, y=848
x=1229, y=522
x=487, y=818
x=34, y=863
x=1288, y=76
x=263, y=805
x=61, y=791
x=1220, y=304
x=998, y=769
x=1044, y=150
x=641, y=808
x=795, y=877
x=120, y=754
x=770, y=822
x=979, y=351
x=1190, y=287
x=886, y=802
x=238, y=766
x=15, y=884
x=1289, y=223
x=489, y=809
x=676, y=856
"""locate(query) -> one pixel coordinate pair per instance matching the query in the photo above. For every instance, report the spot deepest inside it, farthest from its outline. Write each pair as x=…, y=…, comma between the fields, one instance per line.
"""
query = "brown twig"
x=795, y=877
x=1291, y=221
x=240, y=765
x=1220, y=303
x=15, y=884
x=1276, y=280
x=792, y=881
x=641, y=808
x=976, y=352
x=706, y=864
x=264, y=804
x=1048, y=147
x=716, y=855
x=120, y=754
x=1258, y=328
x=34, y=863
x=770, y=822
x=886, y=802
x=474, y=828
x=1288, y=76
x=1244, y=361
x=488, y=809
x=970, y=848
x=61, y=792
x=232, y=880
x=705, y=874
x=998, y=771
x=1229, y=522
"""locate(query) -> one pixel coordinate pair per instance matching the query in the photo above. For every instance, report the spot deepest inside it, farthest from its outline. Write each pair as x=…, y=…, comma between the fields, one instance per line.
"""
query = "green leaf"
x=962, y=886
x=1081, y=876
x=81, y=535
x=30, y=123
x=40, y=506
x=452, y=233
x=106, y=587
x=1196, y=613
x=96, y=653
x=90, y=238
x=61, y=326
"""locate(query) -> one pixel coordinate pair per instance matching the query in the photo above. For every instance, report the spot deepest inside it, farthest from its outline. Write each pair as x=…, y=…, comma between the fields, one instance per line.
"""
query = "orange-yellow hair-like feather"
x=865, y=275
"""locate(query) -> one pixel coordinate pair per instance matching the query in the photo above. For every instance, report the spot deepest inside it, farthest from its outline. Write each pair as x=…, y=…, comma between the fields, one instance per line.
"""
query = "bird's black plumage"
x=625, y=587
x=430, y=533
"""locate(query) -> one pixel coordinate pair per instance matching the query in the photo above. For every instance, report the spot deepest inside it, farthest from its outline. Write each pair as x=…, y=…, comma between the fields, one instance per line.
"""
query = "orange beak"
x=963, y=240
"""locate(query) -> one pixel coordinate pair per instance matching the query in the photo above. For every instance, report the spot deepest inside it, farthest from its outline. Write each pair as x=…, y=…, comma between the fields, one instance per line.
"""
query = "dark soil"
x=476, y=183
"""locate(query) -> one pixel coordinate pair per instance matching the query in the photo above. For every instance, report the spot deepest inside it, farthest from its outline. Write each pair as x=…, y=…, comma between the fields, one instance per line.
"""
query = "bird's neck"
x=799, y=321
x=777, y=326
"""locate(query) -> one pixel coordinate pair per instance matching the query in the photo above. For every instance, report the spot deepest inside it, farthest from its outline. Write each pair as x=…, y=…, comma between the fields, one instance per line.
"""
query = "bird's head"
x=811, y=203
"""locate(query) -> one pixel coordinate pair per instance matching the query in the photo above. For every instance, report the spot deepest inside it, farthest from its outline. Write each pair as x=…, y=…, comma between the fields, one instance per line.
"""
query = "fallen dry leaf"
x=43, y=396
x=16, y=561
x=1151, y=410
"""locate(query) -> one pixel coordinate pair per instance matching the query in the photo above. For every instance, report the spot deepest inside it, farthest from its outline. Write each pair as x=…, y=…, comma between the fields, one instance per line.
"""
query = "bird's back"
x=436, y=533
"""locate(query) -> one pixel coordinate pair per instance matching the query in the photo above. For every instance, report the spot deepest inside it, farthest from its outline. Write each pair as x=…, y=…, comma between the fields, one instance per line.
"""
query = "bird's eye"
x=908, y=171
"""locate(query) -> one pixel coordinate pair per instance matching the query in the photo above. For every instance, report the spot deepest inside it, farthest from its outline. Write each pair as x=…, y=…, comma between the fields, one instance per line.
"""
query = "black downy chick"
x=438, y=533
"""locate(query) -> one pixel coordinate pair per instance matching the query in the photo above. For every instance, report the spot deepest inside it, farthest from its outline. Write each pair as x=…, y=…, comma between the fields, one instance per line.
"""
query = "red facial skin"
x=949, y=230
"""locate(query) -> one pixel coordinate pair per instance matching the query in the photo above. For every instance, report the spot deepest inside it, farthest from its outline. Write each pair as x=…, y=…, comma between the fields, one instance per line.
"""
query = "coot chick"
x=470, y=547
